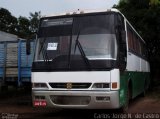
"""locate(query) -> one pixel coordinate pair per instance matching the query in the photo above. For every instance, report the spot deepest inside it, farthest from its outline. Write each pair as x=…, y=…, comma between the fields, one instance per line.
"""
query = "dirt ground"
x=19, y=107
x=145, y=105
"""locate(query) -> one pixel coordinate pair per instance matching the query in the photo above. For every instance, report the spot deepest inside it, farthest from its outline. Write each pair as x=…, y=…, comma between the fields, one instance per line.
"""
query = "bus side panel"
x=138, y=70
x=137, y=81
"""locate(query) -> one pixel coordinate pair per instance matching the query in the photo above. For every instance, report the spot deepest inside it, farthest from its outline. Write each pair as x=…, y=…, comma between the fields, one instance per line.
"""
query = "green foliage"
x=22, y=26
x=34, y=21
x=154, y=3
x=8, y=23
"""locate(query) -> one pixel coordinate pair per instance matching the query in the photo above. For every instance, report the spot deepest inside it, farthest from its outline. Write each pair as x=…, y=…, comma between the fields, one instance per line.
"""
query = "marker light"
x=114, y=85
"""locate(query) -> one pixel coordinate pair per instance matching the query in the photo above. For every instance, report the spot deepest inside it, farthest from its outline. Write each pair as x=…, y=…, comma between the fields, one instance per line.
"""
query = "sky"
x=47, y=7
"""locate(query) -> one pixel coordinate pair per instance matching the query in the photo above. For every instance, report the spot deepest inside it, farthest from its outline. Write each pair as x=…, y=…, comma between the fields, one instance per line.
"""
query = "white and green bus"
x=88, y=60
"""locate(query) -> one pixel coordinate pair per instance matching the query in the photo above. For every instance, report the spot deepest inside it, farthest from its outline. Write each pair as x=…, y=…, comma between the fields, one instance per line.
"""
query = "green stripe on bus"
x=139, y=81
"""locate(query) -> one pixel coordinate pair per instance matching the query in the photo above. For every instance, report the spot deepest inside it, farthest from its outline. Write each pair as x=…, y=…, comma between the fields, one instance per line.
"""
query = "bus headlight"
x=39, y=85
x=101, y=85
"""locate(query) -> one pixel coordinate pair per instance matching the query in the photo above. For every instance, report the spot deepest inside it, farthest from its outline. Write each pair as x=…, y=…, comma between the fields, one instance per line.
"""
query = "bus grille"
x=70, y=100
x=70, y=85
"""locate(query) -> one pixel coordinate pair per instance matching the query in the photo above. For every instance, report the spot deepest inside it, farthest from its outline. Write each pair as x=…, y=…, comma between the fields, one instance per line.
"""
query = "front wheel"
x=124, y=108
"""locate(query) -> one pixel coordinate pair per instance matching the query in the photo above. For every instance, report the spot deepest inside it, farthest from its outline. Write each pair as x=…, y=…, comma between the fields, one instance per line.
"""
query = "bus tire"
x=124, y=108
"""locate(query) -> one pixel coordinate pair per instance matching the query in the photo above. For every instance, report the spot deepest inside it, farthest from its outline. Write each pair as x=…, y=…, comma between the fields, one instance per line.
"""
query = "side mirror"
x=28, y=47
x=28, y=43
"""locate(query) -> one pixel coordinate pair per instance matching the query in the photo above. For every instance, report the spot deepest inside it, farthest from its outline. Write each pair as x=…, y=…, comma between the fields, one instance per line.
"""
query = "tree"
x=22, y=26
x=34, y=21
x=27, y=27
x=8, y=23
x=23, y=29
x=154, y=2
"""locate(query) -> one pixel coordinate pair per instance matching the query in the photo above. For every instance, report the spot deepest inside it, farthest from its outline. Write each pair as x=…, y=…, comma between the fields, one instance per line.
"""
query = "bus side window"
x=130, y=38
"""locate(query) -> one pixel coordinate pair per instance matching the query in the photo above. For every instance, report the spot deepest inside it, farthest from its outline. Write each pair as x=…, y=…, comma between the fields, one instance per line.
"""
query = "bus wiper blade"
x=83, y=54
x=42, y=45
x=81, y=51
x=44, y=54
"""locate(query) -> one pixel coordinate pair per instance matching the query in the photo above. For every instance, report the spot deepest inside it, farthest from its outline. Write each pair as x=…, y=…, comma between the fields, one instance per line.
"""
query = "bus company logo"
x=69, y=85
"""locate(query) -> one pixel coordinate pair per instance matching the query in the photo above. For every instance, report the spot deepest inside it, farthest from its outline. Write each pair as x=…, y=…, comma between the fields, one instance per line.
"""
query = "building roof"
x=7, y=36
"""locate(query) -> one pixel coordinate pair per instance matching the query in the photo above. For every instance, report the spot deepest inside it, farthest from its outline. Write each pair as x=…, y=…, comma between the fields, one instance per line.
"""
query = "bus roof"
x=83, y=12
x=93, y=11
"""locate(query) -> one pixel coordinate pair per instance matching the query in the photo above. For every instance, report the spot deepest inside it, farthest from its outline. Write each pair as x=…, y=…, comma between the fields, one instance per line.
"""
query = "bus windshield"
x=68, y=42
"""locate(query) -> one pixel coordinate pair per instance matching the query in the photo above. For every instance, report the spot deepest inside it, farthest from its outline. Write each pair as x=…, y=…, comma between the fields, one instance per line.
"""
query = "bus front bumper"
x=77, y=99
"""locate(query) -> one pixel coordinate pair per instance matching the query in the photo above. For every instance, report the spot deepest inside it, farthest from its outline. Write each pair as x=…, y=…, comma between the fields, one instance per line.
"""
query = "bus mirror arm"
x=28, y=43
x=28, y=47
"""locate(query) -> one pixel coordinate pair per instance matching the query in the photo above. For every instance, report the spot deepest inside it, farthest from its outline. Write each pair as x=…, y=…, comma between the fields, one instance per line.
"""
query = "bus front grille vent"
x=70, y=100
x=70, y=85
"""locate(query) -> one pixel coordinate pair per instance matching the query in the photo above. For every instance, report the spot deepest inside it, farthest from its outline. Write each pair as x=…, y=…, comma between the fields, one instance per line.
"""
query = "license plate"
x=40, y=103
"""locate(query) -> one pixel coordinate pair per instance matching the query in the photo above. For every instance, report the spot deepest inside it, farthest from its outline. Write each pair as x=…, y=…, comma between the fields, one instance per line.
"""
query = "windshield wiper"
x=44, y=54
x=81, y=51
